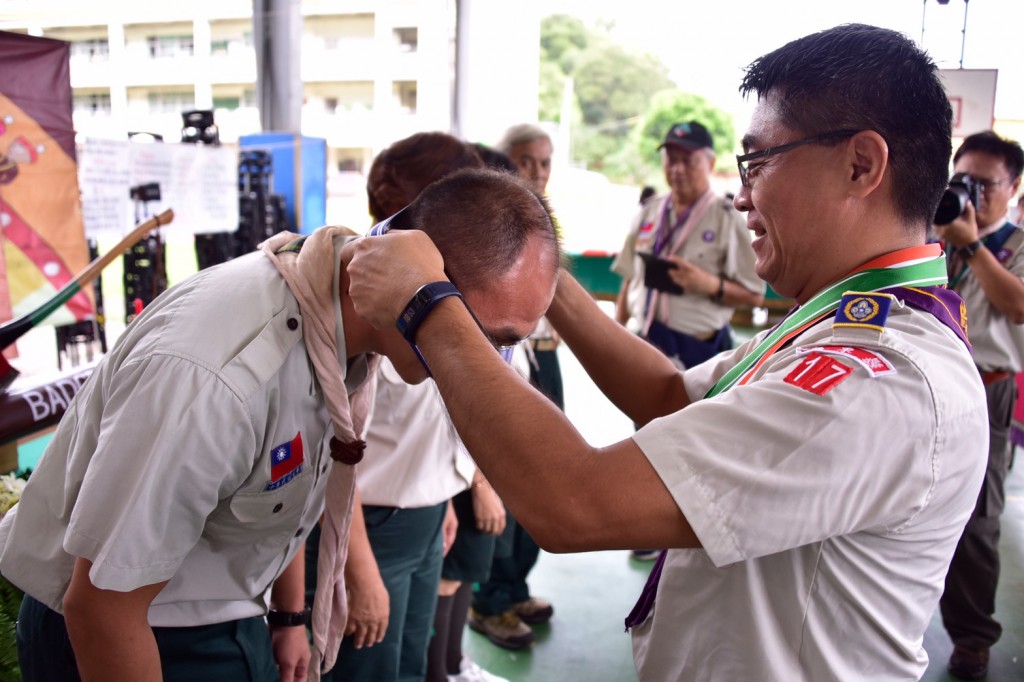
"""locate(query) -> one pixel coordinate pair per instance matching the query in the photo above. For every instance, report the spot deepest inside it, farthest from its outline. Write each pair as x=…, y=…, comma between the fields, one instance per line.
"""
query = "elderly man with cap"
x=687, y=261
x=700, y=246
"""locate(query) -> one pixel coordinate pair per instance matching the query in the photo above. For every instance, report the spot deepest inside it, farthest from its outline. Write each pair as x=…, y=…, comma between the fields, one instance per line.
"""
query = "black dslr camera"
x=962, y=188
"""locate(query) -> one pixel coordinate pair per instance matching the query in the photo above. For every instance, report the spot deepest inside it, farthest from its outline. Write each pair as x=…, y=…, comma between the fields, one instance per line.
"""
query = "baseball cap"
x=690, y=135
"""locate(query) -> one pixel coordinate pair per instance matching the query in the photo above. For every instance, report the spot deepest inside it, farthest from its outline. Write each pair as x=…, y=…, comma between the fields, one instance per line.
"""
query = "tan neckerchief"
x=310, y=274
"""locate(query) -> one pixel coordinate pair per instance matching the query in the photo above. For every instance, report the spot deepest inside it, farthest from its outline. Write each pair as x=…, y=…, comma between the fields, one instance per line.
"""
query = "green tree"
x=623, y=100
x=674, y=106
x=562, y=37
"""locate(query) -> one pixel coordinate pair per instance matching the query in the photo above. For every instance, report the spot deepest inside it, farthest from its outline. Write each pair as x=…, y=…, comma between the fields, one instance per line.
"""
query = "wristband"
x=288, y=619
x=420, y=305
x=970, y=249
x=721, y=290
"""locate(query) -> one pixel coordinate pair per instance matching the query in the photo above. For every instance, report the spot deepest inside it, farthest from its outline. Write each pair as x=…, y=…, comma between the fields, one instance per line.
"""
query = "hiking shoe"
x=968, y=664
x=506, y=629
x=534, y=610
x=644, y=554
x=471, y=672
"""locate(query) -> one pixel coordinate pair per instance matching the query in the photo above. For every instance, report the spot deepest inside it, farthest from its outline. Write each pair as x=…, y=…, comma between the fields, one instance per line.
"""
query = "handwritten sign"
x=200, y=183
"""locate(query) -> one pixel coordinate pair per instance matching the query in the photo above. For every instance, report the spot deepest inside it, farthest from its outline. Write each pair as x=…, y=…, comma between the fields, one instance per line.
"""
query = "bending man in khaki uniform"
x=170, y=510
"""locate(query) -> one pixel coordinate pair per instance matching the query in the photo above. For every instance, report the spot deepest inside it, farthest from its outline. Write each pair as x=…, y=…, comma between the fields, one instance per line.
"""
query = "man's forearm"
x=1003, y=288
x=289, y=590
x=569, y=495
x=109, y=630
x=634, y=375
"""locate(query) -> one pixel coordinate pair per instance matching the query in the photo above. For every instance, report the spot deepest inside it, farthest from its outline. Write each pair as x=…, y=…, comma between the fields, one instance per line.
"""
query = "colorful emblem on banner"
x=285, y=462
x=863, y=309
x=42, y=240
x=818, y=373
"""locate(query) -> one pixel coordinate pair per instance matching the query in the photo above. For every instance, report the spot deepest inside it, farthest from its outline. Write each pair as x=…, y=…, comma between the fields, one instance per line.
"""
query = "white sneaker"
x=471, y=672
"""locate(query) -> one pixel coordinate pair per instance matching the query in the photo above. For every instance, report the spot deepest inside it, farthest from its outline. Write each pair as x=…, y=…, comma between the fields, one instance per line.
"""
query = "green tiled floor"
x=593, y=592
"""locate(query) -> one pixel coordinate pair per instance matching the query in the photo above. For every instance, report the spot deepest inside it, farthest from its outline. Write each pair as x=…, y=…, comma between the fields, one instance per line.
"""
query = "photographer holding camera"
x=986, y=267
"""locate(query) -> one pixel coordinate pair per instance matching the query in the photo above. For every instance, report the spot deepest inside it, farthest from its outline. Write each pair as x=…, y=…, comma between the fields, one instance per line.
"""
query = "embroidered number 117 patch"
x=818, y=373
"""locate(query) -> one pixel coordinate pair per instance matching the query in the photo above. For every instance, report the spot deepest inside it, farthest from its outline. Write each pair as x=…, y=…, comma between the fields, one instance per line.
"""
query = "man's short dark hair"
x=989, y=142
x=858, y=77
x=480, y=221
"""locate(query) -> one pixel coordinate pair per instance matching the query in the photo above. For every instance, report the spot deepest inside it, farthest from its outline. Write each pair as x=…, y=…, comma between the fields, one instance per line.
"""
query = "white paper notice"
x=200, y=183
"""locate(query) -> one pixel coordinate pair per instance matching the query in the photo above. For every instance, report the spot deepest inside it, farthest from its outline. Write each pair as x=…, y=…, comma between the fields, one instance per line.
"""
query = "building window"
x=97, y=49
x=405, y=96
x=407, y=38
x=229, y=103
x=92, y=104
x=162, y=47
x=171, y=102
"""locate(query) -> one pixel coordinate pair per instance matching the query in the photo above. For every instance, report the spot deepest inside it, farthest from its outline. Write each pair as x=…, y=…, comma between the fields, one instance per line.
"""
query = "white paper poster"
x=200, y=183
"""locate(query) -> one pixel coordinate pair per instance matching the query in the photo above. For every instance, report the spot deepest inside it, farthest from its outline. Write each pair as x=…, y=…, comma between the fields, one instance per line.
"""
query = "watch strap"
x=970, y=249
x=420, y=305
x=287, y=619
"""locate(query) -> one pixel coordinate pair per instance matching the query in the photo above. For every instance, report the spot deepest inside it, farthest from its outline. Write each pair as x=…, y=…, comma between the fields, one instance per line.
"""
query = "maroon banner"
x=42, y=238
x=35, y=403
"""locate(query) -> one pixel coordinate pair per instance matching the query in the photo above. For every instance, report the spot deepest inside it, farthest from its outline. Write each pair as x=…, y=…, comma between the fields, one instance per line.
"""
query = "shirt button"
x=298, y=533
x=293, y=324
x=278, y=507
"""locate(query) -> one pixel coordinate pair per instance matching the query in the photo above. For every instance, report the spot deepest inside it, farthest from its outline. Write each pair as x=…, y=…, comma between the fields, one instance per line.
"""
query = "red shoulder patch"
x=818, y=373
x=875, y=363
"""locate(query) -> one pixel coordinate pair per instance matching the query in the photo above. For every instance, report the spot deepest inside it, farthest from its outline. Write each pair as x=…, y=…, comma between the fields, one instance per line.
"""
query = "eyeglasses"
x=505, y=350
x=987, y=186
x=741, y=161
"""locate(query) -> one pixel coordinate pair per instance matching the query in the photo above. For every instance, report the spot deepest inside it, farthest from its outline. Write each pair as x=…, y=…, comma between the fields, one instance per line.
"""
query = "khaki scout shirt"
x=718, y=243
x=169, y=464
x=828, y=502
x=998, y=343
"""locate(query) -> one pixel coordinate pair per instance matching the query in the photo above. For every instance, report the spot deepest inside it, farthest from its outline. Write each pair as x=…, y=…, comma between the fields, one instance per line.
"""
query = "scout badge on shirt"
x=285, y=462
x=863, y=309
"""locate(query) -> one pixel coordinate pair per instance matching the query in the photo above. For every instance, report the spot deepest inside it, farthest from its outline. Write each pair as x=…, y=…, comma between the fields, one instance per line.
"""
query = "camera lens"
x=951, y=205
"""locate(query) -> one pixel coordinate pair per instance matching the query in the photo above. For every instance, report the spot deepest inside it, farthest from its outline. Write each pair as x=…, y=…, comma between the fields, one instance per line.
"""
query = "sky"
x=706, y=45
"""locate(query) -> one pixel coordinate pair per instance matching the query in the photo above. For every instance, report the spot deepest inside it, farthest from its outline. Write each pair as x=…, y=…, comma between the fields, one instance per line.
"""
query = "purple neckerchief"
x=646, y=600
x=944, y=304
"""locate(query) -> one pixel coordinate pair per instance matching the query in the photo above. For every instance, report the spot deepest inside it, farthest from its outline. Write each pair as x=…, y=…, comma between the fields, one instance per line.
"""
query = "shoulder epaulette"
x=865, y=310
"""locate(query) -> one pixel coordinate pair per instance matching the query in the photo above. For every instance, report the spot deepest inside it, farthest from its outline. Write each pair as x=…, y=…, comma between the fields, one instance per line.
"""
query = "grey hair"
x=521, y=134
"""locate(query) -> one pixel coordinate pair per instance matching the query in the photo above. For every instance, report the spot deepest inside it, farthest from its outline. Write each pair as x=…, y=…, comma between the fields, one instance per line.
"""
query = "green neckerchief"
x=927, y=273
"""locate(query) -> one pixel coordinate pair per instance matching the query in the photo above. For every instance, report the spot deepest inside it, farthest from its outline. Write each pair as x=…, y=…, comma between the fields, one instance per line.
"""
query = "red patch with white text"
x=875, y=364
x=818, y=373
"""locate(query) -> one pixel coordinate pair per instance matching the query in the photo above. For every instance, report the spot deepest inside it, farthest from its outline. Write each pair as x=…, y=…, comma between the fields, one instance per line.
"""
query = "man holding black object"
x=811, y=485
x=986, y=267
x=686, y=262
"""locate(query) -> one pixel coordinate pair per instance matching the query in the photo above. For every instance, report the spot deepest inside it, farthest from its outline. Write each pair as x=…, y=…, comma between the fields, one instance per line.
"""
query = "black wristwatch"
x=970, y=249
x=420, y=305
x=288, y=619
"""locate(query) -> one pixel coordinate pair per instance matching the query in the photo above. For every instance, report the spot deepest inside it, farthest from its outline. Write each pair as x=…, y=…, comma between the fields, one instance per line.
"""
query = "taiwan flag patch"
x=285, y=462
